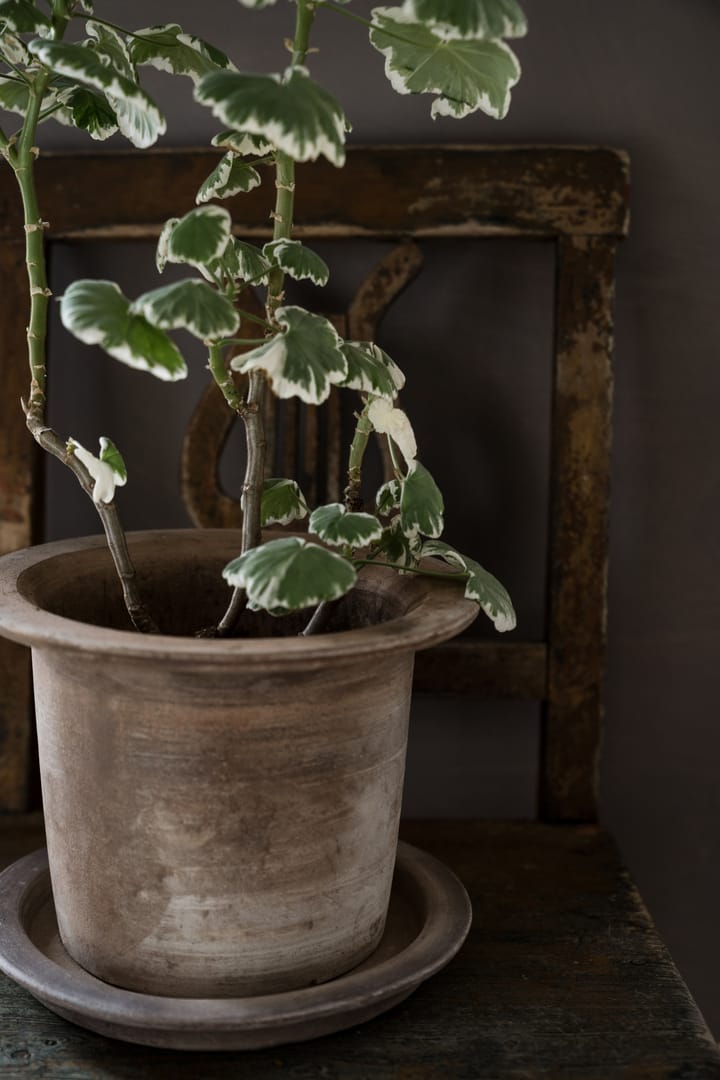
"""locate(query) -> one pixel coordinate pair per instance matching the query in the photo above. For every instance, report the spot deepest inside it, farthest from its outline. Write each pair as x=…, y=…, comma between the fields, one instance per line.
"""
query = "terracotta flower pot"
x=221, y=815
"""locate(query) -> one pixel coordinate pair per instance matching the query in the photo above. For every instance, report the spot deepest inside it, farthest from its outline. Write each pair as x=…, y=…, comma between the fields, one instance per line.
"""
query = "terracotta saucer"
x=428, y=921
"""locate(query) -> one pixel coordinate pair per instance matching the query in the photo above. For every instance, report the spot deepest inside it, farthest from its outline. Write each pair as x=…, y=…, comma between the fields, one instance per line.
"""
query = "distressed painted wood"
x=578, y=549
x=386, y=191
x=563, y=975
x=19, y=506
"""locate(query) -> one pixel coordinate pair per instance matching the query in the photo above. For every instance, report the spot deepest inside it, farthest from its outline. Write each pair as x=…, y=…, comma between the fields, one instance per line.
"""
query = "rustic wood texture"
x=578, y=549
x=386, y=191
x=493, y=669
x=563, y=976
x=19, y=504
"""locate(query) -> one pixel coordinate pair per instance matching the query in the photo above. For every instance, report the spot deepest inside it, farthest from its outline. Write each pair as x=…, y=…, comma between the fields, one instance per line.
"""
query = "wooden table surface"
x=562, y=976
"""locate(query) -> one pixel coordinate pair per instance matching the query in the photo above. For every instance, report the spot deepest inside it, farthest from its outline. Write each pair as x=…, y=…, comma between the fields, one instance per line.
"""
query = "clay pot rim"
x=435, y=611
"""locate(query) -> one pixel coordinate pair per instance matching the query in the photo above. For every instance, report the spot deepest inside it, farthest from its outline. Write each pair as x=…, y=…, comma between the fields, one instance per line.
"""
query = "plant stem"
x=221, y=375
x=399, y=475
x=367, y=23
x=255, y=318
x=255, y=468
x=320, y=617
x=22, y=161
x=114, y=26
x=363, y=430
x=108, y=513
x=252, y=414
x=413, y=569
x=343, y=11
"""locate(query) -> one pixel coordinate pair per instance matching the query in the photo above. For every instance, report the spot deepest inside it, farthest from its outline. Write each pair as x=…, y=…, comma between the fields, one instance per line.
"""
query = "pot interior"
x=181, y=582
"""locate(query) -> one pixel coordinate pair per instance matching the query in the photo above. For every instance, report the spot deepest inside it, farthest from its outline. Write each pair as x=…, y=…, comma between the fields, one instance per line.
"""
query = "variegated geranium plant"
x=62, y=59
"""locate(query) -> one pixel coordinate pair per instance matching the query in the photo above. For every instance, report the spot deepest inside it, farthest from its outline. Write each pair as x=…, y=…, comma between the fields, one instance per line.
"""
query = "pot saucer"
x=428, y=921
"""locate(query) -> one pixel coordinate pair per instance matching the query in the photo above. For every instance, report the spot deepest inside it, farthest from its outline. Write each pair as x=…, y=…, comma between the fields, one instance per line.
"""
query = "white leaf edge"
x=442, y=105
x=270, y=358
x=105, y=478
x=503, y=621
x=389, y=420
x=344, y=512
x=210, y=211
x=276, y=249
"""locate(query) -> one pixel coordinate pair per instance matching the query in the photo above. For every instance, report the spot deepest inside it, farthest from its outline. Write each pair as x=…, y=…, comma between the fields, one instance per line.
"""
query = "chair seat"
x=563, y=975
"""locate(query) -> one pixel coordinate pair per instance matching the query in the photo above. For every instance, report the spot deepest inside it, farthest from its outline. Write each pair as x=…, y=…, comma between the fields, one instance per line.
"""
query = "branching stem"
x=108, y=513
x=21, y=157
x=254, y=318
x=252, y=415
x=224, y=379
x=363, y=430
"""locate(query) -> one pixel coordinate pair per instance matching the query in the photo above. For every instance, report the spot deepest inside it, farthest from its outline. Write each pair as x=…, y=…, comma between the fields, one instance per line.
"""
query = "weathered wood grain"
x=563, y=976
x=578, y=548
x=386, y=191
x=20, y=498
x=494, y=669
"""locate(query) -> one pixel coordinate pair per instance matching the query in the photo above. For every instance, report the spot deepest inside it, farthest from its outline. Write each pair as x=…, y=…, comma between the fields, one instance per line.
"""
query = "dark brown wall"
x=642, y=76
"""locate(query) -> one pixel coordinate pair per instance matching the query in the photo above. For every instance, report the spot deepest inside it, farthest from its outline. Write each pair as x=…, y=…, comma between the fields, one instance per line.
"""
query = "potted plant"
x=225, y=713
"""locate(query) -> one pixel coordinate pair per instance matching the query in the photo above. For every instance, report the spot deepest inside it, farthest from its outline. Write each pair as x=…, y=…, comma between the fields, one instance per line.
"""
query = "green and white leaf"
x=249, y=262
x=282, y=502
x=470, y=18
x=89, y=111
x=108, y=43
x=139, y=118
x=303, y=362
x=110, y=454
x=465, y=75
x=290, y=573
x=161, y=252
x=242, y=143
x=14, y=95
x=190, y=305
x=229, y=177
x=258, y=3
x=371, y=370
x=388, y=420
x=108, y=471
x=97, y=313
x=480, y=586
x=339, y=527
x=398, y=548
x=200, y=236
x=239, y=261
x=297, y=260
x=296, y=115
x=23, y=17
x=13, y=50
x=387, y=500
x=421, y=503
x=168, y=48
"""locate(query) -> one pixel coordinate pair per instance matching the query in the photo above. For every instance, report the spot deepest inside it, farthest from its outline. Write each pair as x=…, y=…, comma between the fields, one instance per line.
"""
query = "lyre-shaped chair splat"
x=304, y=441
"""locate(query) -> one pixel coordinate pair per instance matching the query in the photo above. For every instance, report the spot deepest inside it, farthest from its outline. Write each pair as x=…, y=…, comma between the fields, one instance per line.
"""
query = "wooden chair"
x=563, y=974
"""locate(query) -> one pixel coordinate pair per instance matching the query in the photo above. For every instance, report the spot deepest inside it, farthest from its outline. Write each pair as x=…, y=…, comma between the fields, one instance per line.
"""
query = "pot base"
x=427, y=923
